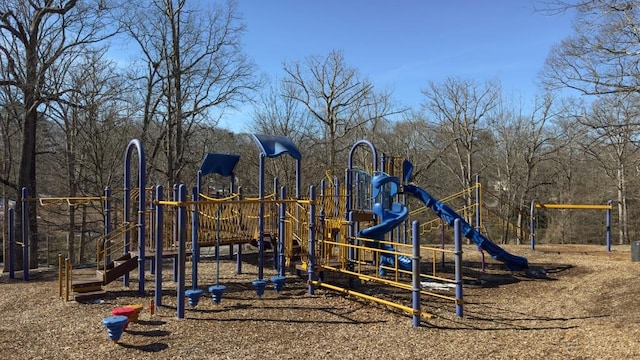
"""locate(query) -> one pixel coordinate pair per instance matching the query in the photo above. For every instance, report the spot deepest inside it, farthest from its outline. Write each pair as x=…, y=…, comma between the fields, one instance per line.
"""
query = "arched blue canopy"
x=222, y=164
x=275, y=145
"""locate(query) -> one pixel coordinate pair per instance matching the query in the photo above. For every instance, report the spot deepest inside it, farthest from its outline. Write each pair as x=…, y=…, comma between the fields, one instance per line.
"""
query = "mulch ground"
x=586, y=307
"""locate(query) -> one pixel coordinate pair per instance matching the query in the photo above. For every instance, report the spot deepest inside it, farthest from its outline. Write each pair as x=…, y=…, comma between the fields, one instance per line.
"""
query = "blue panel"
x=274, y=145
x=222, y=164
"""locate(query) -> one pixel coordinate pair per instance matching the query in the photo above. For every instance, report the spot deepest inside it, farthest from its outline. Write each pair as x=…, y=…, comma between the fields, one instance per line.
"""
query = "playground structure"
x=352, y=231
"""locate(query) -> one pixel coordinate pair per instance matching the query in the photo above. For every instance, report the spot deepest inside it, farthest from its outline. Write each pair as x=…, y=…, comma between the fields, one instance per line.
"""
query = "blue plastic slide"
x=389, y=220
x=513, y=262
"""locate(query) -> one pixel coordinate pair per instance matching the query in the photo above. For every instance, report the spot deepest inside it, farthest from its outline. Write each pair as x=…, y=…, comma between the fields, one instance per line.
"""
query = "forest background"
x=68, y=111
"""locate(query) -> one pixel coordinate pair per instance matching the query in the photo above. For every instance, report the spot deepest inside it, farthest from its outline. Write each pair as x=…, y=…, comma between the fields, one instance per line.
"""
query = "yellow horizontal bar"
x=236, y=202
x=574, y=206
x=406, y=309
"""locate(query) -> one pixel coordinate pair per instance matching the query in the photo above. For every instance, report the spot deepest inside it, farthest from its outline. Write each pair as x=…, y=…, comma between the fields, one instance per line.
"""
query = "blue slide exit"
x=513, y=262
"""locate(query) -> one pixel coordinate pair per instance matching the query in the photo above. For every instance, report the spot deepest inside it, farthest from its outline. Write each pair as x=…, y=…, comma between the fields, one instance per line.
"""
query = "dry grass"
x=587, y=308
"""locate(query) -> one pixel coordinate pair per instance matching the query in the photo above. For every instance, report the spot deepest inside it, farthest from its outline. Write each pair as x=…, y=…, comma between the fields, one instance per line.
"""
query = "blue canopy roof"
x=222, y=164
x=275, y=145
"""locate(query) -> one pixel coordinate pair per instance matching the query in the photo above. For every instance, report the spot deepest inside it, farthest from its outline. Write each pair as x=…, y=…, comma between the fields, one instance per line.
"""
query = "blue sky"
x=401, y=45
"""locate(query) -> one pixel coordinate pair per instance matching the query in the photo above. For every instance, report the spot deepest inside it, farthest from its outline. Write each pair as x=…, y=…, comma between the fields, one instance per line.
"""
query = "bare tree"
x=338, y=98
x=524, y=142
x=601, y=56
x=613, y=124
x=459, y=110
x=39, y=40
x=81, y=124
x=278, y=113
x=194, y=69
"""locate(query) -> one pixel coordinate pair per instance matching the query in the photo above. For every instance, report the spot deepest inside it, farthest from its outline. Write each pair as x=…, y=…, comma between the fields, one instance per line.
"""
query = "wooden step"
x=86, y=296
x=119, y=268
x=123, y=257
x=86, y=285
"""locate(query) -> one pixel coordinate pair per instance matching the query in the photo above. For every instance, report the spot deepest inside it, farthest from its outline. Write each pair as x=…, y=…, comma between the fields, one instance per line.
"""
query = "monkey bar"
x=536, y=205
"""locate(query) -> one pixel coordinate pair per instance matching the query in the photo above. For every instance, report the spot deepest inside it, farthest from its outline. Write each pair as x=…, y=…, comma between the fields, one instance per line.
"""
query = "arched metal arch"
x=137, y=145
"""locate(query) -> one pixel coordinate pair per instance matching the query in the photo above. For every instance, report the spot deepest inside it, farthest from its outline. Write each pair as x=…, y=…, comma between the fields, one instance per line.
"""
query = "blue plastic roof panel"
x=222, y=164
x=275, y=145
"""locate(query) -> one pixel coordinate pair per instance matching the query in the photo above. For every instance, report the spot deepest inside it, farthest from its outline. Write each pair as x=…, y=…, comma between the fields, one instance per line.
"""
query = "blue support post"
x=175, y=233
x=477, y=194
x=159, y=241
x=25, y=234
x=281, y=229
x=239, y=254
x=415, y=259
x=312, y=241
x=182, y=254
x=276, y=251
x=195, y=249
x=457, y=229
x=152, y=233
x=532, y=224
x=12, y=241
x=261, y=220
x=608, y=235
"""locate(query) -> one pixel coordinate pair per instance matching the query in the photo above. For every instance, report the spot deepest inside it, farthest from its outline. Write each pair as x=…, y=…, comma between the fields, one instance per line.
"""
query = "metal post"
x=532, y=224
x=261, y=219
x=159, y=240
x=182, y=255
x=281, y=229
x=312, y=230
x=457, y=229
x=12, y=239
x=152, y=234
x=174, y=232
x=478, y=225
x=239, y=255
x=276, y=251
x=415, y=260
x=195, y=249
x=25, y=234
x=608, y=235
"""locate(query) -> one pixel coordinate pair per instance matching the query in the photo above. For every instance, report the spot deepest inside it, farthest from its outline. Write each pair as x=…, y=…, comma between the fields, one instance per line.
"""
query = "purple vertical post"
x=195, y=249
x=532, y=224
x=457, y=230
x=477, y=194
x=608, y=235
x=239, y=255
x=182, y=254
x=25, y=234
x=312, y=231
x=415, y=260
x=12, y=240
x=261, y=219
x=175, y=233
x=273, y=223
x=281, y=229
x=152, y=235
x=159, y=240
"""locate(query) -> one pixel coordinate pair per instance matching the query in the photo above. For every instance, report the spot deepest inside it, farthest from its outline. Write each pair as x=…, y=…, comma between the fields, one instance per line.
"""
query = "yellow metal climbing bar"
x=575, y=206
